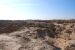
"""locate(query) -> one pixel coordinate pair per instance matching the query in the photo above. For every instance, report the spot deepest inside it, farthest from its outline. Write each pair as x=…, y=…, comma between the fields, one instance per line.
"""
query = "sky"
x=37, y=9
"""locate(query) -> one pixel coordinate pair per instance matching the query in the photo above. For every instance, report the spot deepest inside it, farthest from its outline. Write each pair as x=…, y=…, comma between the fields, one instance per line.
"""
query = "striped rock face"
x=8, y=43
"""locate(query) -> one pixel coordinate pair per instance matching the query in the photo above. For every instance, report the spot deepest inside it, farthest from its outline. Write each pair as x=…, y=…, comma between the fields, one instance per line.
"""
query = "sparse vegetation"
x=37, y=35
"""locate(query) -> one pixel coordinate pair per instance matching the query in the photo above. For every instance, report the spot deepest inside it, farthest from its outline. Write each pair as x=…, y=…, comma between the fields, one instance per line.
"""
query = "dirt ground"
x=37, y=35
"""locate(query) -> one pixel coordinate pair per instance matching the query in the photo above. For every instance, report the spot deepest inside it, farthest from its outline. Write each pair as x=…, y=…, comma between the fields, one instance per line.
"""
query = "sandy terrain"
x=37, y=35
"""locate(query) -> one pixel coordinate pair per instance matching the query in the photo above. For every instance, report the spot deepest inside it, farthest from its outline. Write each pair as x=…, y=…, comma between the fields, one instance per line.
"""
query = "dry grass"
x=37, y=35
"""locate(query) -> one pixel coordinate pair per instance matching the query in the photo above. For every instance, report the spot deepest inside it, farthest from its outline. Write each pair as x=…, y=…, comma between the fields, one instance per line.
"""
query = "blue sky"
x=37, y=9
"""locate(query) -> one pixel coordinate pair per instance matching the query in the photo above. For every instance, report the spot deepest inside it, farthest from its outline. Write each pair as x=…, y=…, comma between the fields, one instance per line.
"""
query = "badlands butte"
x=37, y=34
